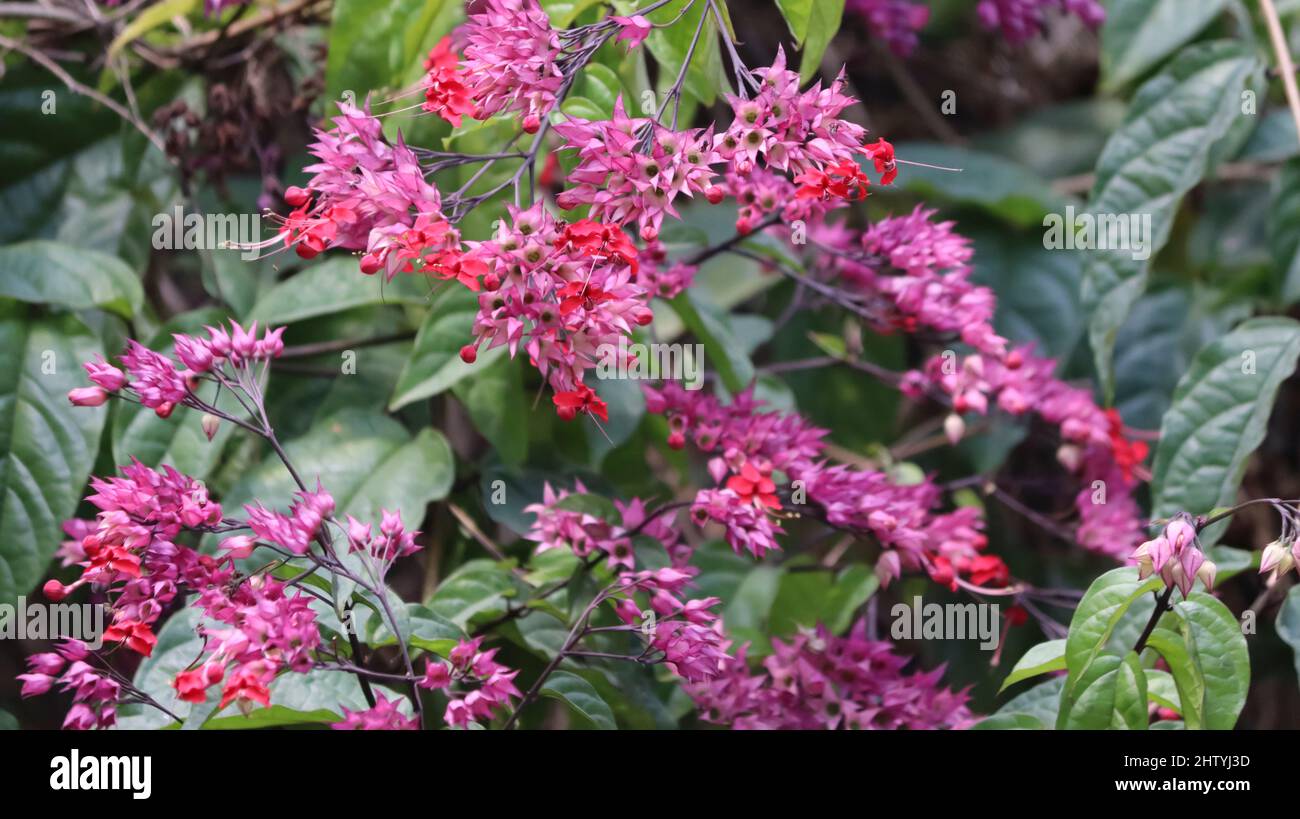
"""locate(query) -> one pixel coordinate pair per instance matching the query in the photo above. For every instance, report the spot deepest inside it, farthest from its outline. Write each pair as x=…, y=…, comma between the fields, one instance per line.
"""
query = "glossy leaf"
x=1159, y=154
x=1218, y=418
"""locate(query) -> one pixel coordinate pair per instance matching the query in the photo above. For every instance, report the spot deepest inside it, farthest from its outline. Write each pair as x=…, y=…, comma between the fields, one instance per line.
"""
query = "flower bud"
x=295, y=196
x=531, y=124
x=210, y=424
x=1277, y=558
x=1206, y=574
x=469, y=354
x=87, y=396
x=54, y=591
x=954, y=427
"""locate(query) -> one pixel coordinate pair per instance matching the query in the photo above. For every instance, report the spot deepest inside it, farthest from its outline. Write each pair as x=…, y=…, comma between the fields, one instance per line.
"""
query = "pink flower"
x=634, y=29
x=511, y=60
x=385, y=716
x=821, y=681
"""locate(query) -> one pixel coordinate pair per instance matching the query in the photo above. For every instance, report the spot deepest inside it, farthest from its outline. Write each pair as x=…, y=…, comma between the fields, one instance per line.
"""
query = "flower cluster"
x=565, y=293
x=631, y=169
x=894, y=21
x=563, y=523
x=511, y=59
x=384, y=716
x=912, y=274
x=156, y=382
x=821, y=681
x=899, y=516
x=1176, y=557
x=1093, y=444
x=1019, y=20
x=393, y=541
x=368, y=195
x=294, y=531
x=796, y=132
x=129, y=549
x=264, y=630
x=469, y=666
x=94, y=692
x=687, y=634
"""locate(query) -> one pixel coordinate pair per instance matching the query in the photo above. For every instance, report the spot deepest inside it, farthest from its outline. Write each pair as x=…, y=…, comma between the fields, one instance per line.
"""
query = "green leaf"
x=1042, y=702
x=1037, y=288
x=373, y=46
x=494, y=398
x=420, y=627
x=1222, y=655
x=1284, y=231
x=809, y=598
x=564, y=12
x=149, y=19
x=1100, y=610
x=48, y=446
x=1112, y=694
x=1139, y=34
x=1158, y=155
x=8, y=722
x=813, y=23
x=46, y=272
x=581, y=698
x=670, y=46
x=1041, y=659
x=1162, y=690
x=1288, y=623
x=712, y=329
x=367, y=461
x=1218, y=418
x=435, y=364
x=333, y=286
x=476, y=588
x=1186, y=672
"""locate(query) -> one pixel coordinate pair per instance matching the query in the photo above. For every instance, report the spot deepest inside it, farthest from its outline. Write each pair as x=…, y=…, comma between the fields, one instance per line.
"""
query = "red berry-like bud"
x=164, y=410
x=491, y=281
x=54, y=591
x=649, y=233
x=469, y=354
x=296, y=196
x=714, y=194
x=370, y=264
x=677, y=440
x=531, y=124
x=1014, y=359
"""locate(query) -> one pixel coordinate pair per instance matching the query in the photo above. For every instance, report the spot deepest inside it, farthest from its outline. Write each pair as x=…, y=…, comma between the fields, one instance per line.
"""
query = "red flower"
x=597, y=241
x=941, y=572
x=755, y=485
x=882, y=154
x=583, y=399
x=989, y=570
x=445, y=93
x=137, y=636
x=843, y=181
x=1128, y=454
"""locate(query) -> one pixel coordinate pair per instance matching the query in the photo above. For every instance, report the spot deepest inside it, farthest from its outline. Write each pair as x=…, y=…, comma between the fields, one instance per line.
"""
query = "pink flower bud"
x=54, y=591
x=87, y=396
